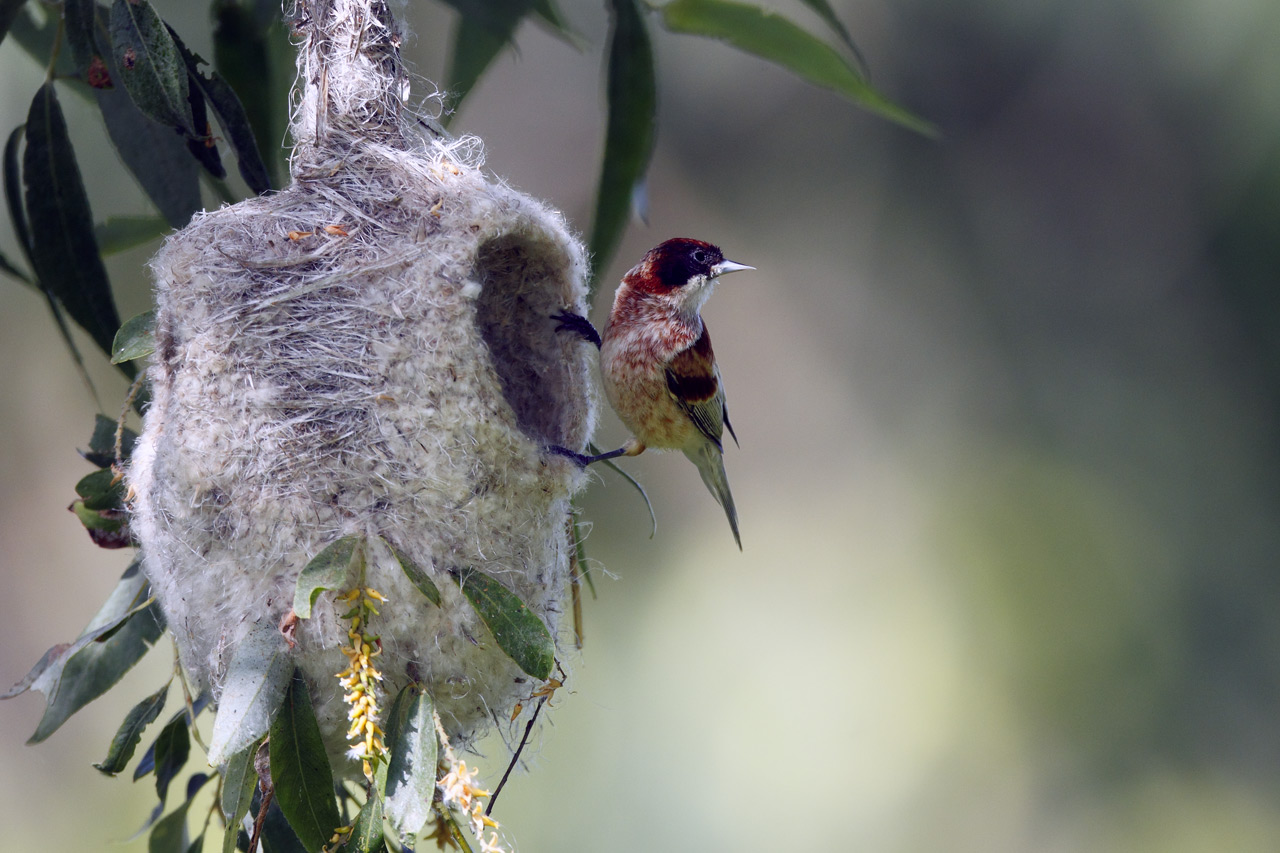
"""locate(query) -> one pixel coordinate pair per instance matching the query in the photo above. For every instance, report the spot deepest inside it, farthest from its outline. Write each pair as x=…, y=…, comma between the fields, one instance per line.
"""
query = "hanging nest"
x=364, y=362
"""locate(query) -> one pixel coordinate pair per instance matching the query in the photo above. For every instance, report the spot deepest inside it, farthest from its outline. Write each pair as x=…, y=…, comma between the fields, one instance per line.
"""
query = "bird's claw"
x=582, y=459
x=567, y=321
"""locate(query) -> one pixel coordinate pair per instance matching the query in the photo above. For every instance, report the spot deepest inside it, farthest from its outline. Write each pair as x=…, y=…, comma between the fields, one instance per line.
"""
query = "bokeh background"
x=1008, y=477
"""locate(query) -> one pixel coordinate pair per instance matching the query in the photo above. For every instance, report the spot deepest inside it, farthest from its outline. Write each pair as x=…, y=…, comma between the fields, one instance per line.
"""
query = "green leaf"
x=147, y=764
x=102, y=444
x=253, y=54
x=157, y=157
x=232, y=118
x=239, y=780
x=64, y=251
x=415, y=574
x=78, y=20
x=136, y=338
x=130, y=732
x=172, y=748
x=327, y=570
x=120, y=233
x=411, y=771
x=100, y=489
x=630, y=130
x=367, y=831
x=149, y=65
x=517, y=629
x=97, y=666
x=300, y=768
x=475, y=46
x=170, y=834
x=829, y=17
x=778, y=40
x=256, y=680
x=38, y=38
x=8, y=11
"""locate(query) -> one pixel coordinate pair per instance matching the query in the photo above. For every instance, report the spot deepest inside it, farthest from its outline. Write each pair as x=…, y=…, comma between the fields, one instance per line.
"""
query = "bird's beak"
x=728, y=266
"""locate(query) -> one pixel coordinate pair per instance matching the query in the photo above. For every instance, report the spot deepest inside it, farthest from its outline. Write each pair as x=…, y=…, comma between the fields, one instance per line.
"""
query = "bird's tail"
x=710, y=462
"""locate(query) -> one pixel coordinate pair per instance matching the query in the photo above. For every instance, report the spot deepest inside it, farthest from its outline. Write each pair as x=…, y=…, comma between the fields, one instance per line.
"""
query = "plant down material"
x=366, y=353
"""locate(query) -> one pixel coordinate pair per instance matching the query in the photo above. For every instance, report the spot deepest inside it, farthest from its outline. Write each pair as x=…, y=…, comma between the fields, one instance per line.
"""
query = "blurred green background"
x=1008, y=477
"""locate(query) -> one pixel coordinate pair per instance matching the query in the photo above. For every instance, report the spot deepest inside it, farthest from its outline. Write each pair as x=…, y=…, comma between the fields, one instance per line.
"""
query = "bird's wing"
x=694, y=381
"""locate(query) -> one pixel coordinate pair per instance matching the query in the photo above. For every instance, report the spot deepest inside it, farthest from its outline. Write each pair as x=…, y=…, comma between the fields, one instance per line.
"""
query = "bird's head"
x=680, y=273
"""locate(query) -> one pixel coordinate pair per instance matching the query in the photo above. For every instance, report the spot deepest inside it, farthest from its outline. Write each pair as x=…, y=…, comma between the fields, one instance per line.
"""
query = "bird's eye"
x=699, y=256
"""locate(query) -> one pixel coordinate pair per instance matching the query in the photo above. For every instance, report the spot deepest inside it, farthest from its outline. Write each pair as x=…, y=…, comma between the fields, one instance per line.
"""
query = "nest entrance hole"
x=524, y=280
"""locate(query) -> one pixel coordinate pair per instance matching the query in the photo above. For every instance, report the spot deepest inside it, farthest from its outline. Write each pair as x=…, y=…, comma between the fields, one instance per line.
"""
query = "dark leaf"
x=256, y=680
x=119, y=233
x=239, y=781
x=108, y=528
x=102, y=444
x=415, y=574
x=38, y=40
x=79, y=20
x=13, y=192
x=232, y=118
x=300, y=769
x=148, y=64
x=172, y=748
x=97, y=666
x=203, y=146
x=278, y=836
x=778, y=40
x=8, y=268
x=327, y=570
x=170, y=834
x=147, y=763
x=629, y=133
x=8, y=11
x=475, y=46
x=136, y=338
x=155, y=154
x=411, y=772
x=517, y=629
x=549, y=13
x=253, y=54
x=64, y=251
x=130, y=733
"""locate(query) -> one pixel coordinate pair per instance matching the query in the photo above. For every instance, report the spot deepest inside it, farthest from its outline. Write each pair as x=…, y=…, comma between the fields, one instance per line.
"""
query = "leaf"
x=78, y=19
x=38, y=40
x=829, y=17
x=475, y=46
x=130, y=733
x=239, y=781
x=100, y=490
x=172, y=748
x=517, y=629
x=170, y=834
x=136, y=338
x=411, y=771
x=416, y=575
x=203, y=146
x=64, y=251
x=278, y=836
x=778, y=40
x=147, y=764
x=629, y=133
x=102, y=444
x=97, y=666
x=149, y=66
x=232, y=118
x=157, y=157
x=300, y=768
x=367, y=831
x=8, y=11
x=8, y=268
x=256, y=680
x=119, y=233
x=327, y=570
x=253, y=54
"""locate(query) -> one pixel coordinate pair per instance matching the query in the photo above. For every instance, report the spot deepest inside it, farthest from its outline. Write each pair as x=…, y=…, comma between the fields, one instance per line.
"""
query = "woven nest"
x=366, y=352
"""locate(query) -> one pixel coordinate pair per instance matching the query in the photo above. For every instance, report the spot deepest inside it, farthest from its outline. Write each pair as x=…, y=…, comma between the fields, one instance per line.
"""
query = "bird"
x=658, y=369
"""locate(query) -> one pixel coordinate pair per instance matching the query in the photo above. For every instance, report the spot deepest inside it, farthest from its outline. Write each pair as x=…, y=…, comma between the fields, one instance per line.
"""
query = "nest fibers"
x=366, y=352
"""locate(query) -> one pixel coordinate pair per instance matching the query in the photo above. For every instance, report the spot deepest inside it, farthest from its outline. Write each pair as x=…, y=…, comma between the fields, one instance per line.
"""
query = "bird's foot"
x=634, y=447
x=567, y=321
